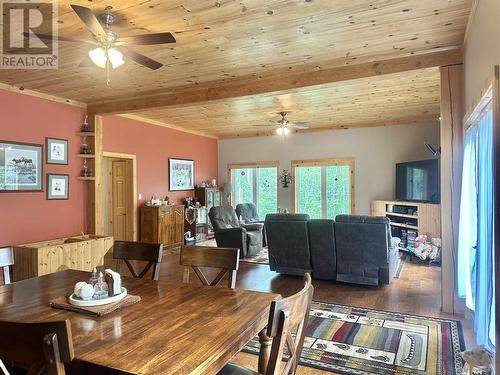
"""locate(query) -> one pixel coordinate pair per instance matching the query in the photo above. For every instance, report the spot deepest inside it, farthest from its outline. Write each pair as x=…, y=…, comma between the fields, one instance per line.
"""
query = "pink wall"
x=28, y=217
x=153, y=145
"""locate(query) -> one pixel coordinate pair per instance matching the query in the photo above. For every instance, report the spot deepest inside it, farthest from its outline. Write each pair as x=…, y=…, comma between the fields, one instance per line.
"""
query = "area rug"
x=262, y=257
x=351, y=340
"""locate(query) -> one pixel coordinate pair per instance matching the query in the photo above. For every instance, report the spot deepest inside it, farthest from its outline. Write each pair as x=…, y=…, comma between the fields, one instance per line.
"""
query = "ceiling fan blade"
x=59, y=38
x=141, y=59
x=300, y=125
x=266, y=125
x=90, y=20
x=146, y=39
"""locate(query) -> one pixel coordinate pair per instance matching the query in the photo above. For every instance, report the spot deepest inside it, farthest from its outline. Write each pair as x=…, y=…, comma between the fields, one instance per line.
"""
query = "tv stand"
x=410, y=219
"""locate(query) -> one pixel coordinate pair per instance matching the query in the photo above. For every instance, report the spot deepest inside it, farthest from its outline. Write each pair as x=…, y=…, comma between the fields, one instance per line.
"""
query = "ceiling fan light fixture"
x=115, y=58
x=100, y=57
x=282, y=130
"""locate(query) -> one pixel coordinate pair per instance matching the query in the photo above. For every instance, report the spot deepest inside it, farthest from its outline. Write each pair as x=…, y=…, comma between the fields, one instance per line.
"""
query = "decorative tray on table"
x=77, y=301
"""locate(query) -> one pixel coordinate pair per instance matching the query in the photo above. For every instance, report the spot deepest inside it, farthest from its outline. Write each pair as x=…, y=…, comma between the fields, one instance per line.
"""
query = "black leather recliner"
x=248, y=213
x=229, y=232
x=288, y=243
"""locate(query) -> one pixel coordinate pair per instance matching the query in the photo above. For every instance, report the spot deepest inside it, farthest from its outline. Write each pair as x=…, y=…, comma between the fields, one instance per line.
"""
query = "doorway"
x=120, y=198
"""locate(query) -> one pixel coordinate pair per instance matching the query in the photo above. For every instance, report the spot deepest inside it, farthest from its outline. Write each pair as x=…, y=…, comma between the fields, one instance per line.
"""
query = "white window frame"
x=254, y=166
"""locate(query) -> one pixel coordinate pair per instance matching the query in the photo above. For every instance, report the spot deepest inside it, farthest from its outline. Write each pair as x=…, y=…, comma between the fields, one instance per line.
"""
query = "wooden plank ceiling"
x=225, y=40
x=402, y=98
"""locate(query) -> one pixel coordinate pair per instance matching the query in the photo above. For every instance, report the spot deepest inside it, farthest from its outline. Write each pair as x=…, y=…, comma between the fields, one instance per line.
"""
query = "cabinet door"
x=210, y=199
x=178, y=226
x=217, y=198
x=164, y=232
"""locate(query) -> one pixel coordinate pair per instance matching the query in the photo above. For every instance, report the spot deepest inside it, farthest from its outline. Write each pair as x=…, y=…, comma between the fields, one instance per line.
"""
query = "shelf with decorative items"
x=88, y=144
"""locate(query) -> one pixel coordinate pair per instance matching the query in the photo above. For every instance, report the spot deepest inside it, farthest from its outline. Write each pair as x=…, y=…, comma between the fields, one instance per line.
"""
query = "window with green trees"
x=256, y=185
x=323, y=189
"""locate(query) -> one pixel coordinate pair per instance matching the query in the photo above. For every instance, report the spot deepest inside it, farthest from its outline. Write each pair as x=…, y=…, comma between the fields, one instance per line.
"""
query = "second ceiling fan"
x=283, y=126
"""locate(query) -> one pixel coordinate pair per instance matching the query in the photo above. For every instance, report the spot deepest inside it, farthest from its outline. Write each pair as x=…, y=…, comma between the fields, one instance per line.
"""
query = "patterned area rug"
x=351, y=340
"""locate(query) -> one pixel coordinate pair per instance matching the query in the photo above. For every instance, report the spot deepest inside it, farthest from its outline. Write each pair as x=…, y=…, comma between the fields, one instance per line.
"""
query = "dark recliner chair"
x=365, y=254
x=248, y=213
x=288, y=243
x=229, y=232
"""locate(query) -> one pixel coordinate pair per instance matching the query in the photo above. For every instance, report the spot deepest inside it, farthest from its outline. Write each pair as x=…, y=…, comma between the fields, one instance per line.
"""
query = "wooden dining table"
x=176, y=328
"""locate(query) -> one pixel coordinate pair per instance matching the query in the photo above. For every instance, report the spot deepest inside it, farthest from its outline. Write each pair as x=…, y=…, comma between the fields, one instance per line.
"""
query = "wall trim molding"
x=41, y=95
x=165, y=125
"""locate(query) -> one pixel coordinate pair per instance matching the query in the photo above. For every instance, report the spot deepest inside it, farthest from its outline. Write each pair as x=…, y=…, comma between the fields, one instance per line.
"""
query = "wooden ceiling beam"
x=276, y=83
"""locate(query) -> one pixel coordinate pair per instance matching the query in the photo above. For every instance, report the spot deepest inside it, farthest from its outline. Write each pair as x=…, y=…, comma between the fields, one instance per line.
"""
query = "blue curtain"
x=467, y=233
x=476, y=240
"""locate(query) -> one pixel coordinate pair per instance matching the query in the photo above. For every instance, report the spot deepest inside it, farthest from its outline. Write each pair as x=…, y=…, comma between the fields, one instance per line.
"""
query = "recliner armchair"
x=248, y=213
x=365, y=252
x=288, y=243
x=230, y=233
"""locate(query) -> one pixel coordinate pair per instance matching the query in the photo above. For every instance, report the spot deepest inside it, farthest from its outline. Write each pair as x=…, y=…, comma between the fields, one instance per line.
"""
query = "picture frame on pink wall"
x=180, y=174
x=21, y=167
x=56, y=151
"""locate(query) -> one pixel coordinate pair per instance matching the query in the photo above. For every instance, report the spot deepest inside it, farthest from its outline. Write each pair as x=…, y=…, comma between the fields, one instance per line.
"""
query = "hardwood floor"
x=417, y=291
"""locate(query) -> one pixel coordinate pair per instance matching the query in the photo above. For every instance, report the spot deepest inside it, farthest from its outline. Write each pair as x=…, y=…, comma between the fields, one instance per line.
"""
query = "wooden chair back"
x=128, y=251
x=287, y=316
x=194, y=257
x=6, y=260
x=37, y=346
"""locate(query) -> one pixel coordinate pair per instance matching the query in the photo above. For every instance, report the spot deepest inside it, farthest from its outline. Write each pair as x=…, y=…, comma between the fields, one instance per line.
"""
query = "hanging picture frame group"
x=21, y=167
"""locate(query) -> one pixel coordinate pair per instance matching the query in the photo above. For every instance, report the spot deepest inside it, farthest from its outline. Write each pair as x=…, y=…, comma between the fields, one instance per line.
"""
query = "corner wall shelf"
x=86, y=134
x=86, y=156
x=85, y=178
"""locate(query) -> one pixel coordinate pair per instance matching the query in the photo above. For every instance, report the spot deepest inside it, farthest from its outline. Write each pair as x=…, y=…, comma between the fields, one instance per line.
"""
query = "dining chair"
x=286, y=326
x=6, y=260
x=128, y=251
x=37, y=346
x=194, y=257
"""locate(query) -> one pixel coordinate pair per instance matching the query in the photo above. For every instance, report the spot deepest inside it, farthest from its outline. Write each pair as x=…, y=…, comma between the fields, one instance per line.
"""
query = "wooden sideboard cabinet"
x=164, y=224
x=77, y=253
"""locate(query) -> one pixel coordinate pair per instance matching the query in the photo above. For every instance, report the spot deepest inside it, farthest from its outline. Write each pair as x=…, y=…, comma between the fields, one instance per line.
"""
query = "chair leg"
x=265, y=351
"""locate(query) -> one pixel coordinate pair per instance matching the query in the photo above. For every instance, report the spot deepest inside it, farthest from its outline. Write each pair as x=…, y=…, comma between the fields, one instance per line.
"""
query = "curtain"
x=482, y=275
x=476, y=240
x=467, y=232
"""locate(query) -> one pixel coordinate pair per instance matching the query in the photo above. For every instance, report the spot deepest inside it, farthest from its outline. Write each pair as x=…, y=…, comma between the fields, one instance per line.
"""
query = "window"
x=255, y=183
x=323, y=188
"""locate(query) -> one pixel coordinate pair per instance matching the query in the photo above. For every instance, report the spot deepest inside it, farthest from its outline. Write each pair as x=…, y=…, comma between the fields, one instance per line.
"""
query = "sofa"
x=230, y=233
x=351, y=248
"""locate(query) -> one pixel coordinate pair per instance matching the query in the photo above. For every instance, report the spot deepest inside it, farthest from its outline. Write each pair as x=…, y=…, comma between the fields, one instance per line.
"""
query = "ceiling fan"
x=109, y=47
x=283, y=125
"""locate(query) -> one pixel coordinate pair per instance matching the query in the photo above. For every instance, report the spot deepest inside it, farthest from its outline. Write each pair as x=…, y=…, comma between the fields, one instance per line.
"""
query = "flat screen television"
x=418, y=181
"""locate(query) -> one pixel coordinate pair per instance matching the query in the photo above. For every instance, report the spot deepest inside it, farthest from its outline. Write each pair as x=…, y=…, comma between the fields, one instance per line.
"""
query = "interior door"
x=120, y=201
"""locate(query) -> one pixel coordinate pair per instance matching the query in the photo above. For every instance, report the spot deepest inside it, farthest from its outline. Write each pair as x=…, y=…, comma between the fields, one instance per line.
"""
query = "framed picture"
x=57, y=151
x=57, y=186
x=21, y=167
x=180, y=174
